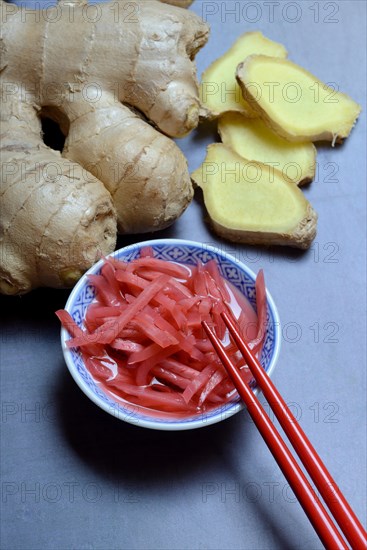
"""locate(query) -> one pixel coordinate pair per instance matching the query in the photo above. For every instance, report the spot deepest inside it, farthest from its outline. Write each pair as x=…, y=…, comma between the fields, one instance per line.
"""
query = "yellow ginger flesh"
x=219, y=90
x=252, y=139
x=249, y=202
x=293, y=102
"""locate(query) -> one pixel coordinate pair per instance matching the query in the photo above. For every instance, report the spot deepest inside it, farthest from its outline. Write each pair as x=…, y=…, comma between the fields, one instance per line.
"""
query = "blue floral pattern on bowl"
x=189, y=253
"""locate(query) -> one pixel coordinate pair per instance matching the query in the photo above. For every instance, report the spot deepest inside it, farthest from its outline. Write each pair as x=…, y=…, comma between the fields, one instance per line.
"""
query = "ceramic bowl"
x=187, y=252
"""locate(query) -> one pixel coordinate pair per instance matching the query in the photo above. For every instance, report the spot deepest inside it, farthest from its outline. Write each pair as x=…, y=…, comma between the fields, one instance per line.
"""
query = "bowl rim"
x=225, y=411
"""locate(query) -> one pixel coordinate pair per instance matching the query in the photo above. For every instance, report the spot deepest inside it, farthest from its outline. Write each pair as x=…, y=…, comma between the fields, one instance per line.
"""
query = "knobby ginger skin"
x=103, y=73
x=56, y=219
x=180, y=3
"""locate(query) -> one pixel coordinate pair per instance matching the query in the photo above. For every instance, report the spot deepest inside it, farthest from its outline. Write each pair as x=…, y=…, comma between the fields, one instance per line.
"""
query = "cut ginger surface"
x=253, y=203
x=219, y=90
x=253, y=140
x=293, y=102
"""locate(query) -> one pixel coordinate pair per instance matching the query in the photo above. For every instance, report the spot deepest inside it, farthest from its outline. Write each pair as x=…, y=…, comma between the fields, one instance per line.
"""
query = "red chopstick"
x=319, y=517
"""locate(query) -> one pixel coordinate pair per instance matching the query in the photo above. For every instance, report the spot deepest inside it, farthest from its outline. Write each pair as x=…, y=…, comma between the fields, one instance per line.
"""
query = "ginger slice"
x=219, y=90
x=253, y=140
x=293, y=102
x=250, y=202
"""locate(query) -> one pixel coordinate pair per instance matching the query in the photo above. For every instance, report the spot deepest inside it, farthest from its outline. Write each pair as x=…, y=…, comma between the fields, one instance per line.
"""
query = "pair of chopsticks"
x=326, y=486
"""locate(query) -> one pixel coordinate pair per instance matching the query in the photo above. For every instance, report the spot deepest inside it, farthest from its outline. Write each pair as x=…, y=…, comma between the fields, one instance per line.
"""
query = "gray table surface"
x=75, y=477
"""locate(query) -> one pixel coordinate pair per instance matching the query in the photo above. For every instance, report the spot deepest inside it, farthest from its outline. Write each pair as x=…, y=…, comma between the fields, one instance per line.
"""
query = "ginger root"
x=179, y=3
x=219, y=90
x=249, y=202
x=293, y=102
x=253, y=140
x=103, y=72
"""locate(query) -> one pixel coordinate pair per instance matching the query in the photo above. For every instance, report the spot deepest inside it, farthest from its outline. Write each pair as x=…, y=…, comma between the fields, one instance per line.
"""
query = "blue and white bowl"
x=187, y=252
